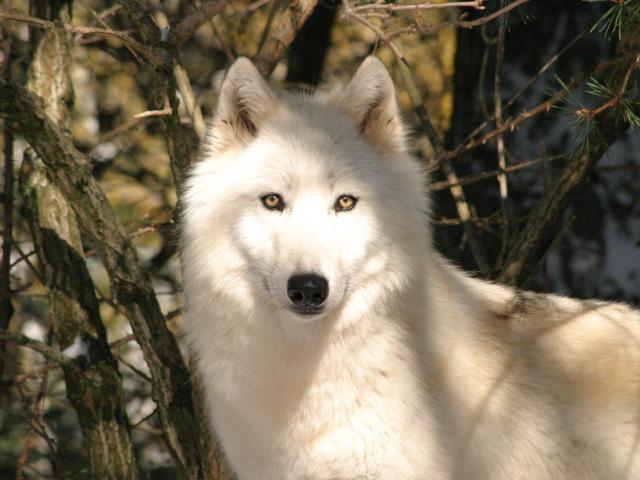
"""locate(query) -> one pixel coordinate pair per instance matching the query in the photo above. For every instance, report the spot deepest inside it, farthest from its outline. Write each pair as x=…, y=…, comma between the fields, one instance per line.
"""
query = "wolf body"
x=384, y=361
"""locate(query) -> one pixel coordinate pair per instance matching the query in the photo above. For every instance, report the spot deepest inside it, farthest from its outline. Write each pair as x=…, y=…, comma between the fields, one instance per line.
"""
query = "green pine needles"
x=617, y=18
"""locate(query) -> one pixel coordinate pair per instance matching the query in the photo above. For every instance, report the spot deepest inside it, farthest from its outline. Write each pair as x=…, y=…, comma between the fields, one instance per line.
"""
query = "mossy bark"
x=93, y=383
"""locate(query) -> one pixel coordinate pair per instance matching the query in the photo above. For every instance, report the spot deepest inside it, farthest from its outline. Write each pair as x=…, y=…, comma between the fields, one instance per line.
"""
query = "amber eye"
x=272, y=201
x=344, y=203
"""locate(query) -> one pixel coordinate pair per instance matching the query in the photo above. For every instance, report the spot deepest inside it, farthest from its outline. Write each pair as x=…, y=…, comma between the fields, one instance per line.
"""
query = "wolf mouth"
x=308, y=311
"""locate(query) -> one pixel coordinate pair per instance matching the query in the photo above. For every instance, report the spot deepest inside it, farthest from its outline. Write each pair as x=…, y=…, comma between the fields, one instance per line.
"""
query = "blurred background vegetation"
x=554, y=59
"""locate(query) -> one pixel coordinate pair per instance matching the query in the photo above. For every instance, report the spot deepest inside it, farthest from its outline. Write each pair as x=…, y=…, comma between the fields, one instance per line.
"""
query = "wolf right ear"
x=245, y=101
x=370, y=99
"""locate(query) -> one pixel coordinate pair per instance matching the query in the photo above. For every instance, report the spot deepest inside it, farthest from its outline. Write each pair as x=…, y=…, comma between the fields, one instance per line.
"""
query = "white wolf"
x=334, y=341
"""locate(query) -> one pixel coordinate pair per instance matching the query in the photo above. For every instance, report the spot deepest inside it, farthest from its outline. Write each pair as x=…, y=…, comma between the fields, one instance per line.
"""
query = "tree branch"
x=386, y=7
x=484, y=20
x=502, y=156
x=152, y=56
x=197, y=17
x=6, y=306
x=162, y=93
x=533, y=240
x=47, y=351
x=277, y=42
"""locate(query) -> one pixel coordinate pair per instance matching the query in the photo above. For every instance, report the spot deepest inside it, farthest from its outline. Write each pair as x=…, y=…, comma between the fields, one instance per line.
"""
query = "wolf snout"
x=307, y=292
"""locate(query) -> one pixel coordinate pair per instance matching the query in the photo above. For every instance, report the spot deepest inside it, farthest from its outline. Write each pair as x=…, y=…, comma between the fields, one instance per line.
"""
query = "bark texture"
x=70, y=171
x=93, y=382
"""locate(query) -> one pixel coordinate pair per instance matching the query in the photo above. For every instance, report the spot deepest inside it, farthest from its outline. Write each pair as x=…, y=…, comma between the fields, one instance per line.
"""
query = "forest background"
x=523, y=112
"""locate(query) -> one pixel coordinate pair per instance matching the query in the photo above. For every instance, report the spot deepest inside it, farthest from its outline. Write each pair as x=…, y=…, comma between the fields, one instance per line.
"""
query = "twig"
x=468, y=180
x=148, y=53
x=192, y=107
x=510, y=125
x=120, y=129
x=36, y=419
x=613, y=101
x=184, y=85
x=470, y=142
x=97, y=18
x=524, y=88
x=502, y=158
x=36, y=373
x=161, y=93
x=256, y=5
x=458, y=22
x=121, y=342
x=26, y=259
x=153, y=113
x=268, y=23
x=22, y=258
x=488, y=18
x=134, y=369
x=35, y=345
x=477, y=4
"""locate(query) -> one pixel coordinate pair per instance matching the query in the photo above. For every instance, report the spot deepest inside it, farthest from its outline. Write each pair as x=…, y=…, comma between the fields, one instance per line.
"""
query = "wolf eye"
x=272, y=201
x=344, y=203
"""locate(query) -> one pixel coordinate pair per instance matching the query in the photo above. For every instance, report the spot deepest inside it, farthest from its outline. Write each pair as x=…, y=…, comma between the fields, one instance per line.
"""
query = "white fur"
x=414, y=370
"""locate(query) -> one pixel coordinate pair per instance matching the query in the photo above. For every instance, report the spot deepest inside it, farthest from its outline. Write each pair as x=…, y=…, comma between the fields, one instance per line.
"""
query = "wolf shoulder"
x=589, y=348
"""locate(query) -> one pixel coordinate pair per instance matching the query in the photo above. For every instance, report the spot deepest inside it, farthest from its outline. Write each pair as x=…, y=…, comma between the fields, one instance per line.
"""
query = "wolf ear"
x=370, y=99
x=245, y=101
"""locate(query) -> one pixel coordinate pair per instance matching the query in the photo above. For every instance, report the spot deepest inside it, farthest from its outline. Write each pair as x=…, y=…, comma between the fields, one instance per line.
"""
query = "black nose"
x=307, y=291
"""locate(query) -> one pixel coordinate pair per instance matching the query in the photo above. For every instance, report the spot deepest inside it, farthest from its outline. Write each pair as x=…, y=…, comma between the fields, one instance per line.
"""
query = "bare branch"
x=184, y=85
x=153, y=113
x=149, y=54
x=47, y=351
x=509, y=125
x=182, y=80
x=468, y=180
x=523, y=89
x=458, y=22
x=502, y=156
x=386, y=7
x=489, y=18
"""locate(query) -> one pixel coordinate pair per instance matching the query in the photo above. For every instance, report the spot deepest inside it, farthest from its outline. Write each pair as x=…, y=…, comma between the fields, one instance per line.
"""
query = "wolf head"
x=304, y=205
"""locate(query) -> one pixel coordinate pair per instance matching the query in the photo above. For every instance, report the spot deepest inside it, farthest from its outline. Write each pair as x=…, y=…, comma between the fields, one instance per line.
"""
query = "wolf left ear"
x=370, y=99
x=245, y=101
